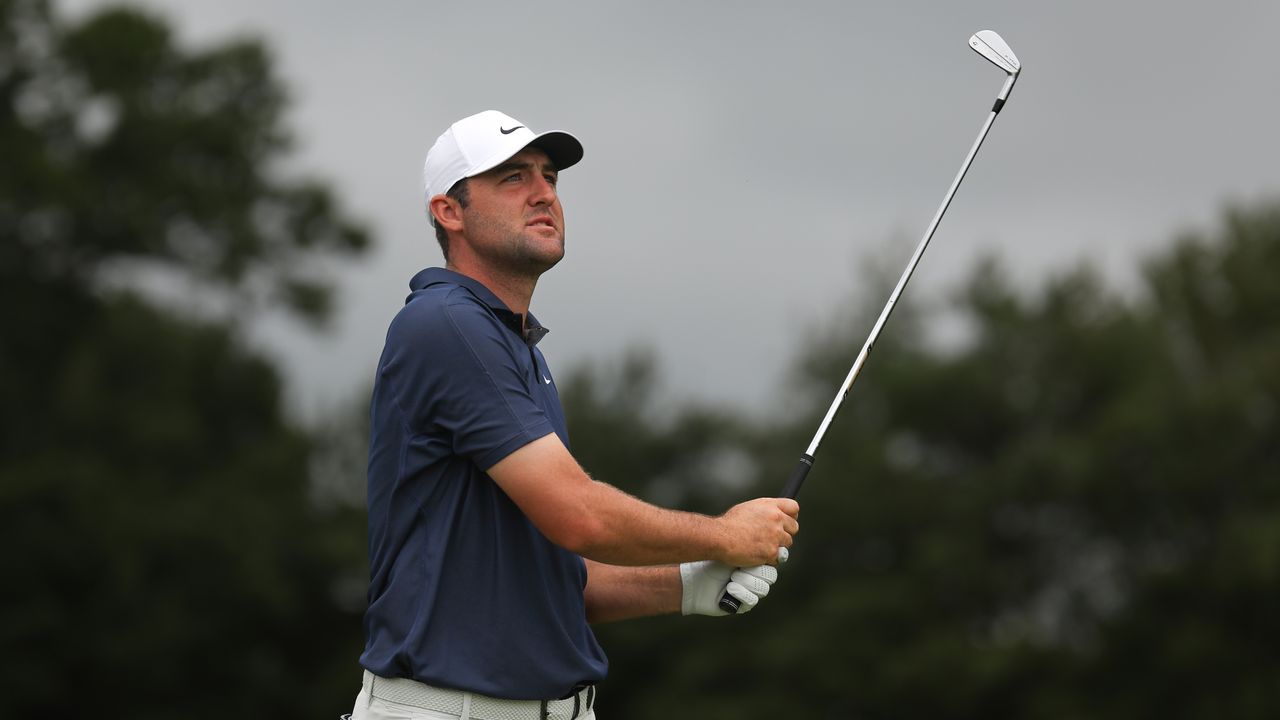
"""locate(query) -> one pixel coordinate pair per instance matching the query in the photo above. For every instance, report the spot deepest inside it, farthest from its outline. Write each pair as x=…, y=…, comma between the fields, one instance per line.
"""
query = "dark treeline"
x=161, y=556
x=1076, y=513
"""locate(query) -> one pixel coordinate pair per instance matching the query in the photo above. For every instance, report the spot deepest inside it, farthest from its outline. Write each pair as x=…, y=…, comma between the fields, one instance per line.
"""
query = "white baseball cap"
x=485, y=140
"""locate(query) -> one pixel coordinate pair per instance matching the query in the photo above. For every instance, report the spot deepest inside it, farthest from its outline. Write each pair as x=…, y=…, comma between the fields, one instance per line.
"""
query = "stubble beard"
x=518, y=253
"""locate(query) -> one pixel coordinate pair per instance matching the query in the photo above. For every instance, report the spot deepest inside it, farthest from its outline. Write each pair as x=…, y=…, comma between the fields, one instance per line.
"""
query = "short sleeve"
x=456, y=371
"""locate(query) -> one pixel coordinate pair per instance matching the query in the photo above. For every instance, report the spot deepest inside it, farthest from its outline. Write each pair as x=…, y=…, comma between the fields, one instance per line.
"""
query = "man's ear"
x=447, y=212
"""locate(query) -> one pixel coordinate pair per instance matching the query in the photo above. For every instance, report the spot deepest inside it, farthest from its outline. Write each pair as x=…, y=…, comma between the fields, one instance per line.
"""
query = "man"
x=490, y=548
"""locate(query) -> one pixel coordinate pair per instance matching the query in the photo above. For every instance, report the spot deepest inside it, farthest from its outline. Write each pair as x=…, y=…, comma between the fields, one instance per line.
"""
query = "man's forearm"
x=599, y=521
x=621, y=593
x=624, y=530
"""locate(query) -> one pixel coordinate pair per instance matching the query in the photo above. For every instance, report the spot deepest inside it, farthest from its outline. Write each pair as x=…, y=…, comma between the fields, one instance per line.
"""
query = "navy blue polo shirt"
x=464, y=591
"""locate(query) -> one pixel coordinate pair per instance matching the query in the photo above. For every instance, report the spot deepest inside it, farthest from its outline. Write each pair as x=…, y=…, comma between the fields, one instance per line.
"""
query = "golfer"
x=491, y=551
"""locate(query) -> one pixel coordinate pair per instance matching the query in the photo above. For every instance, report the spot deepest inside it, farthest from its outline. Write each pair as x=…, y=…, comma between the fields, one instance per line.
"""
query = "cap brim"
x=562, y=148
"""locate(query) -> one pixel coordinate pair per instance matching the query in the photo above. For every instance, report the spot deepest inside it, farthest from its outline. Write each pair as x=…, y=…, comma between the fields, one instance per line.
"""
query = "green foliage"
x=1074, y=515
x=164, y=554
x=165, y=543
x=127, y=149
x=694, y=459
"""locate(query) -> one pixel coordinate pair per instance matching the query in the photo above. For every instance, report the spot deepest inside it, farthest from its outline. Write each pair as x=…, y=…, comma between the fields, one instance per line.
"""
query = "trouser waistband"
x=474, y=706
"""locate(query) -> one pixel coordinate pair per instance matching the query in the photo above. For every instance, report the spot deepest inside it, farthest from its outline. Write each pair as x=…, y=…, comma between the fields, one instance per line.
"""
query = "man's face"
x=514, y=221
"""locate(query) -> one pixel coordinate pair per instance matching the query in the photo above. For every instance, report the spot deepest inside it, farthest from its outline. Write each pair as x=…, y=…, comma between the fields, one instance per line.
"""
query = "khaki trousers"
x=401, y=699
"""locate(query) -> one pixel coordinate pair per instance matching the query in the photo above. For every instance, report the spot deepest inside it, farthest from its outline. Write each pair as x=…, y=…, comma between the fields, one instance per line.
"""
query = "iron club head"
x=991, y=46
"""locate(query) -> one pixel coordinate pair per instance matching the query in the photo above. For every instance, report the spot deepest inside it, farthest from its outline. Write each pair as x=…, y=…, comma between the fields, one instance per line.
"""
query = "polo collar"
x=533, y=330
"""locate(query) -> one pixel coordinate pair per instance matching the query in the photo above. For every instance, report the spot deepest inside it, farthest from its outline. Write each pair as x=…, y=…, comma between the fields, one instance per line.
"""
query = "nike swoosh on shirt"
x=546, y=379
x=505, y=131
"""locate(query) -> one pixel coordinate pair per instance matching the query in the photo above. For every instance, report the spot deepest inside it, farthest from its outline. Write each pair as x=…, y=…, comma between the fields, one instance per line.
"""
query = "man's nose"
x=544, y=193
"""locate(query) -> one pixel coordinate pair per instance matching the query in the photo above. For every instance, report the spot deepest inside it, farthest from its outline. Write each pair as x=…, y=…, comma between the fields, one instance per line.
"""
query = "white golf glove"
x=703, y=583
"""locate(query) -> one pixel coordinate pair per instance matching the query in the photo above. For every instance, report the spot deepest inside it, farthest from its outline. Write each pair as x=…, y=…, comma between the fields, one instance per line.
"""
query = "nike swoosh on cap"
x=505, y=131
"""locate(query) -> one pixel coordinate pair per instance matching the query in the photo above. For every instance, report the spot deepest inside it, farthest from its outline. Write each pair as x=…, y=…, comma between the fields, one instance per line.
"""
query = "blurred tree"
x=694, y=457
x=1073, y=515
x=1076, y=514
x=162, y=554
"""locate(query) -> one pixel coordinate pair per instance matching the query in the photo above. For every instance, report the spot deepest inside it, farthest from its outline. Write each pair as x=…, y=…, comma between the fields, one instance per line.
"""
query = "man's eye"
x=551, y=180
x=512, y=176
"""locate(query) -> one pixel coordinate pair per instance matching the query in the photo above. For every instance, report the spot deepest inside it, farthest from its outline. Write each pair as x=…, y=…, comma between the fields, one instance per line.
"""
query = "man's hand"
x=703, y=583
x=757, y=529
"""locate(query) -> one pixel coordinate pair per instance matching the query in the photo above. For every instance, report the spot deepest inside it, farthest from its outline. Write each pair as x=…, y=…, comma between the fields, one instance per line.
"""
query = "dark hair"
x=460, y=193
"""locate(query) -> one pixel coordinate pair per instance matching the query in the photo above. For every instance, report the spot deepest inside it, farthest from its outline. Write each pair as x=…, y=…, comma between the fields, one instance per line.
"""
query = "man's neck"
x=514, y=292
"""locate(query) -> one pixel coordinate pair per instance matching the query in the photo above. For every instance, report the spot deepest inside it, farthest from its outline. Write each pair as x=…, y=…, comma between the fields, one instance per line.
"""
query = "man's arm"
x=694, y=588
x=602, y=523
x=622, y=593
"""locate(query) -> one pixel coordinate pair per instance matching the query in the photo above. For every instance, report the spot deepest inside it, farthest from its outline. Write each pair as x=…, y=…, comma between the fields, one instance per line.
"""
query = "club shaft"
x=792, y=488
x=897, y=291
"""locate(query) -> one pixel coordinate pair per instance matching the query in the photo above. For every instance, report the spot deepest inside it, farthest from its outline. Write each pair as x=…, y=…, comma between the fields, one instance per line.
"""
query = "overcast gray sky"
x=744, y=160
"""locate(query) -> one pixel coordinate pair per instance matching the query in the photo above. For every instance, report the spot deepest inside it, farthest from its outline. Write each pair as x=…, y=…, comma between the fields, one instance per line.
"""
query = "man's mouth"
x=542, y=221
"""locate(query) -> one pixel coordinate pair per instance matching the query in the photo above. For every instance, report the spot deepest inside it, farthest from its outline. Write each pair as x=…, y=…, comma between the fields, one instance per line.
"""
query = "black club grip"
x=729, y=603
x=792, y=488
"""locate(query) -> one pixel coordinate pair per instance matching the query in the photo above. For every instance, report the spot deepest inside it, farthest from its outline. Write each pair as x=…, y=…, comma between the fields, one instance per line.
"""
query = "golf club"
x=991, y=46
